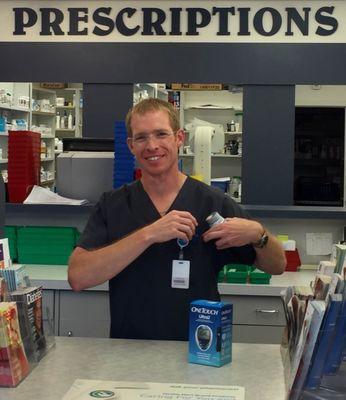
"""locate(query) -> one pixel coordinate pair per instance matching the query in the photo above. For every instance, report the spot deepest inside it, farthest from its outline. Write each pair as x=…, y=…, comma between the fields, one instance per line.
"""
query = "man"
x=131, y=237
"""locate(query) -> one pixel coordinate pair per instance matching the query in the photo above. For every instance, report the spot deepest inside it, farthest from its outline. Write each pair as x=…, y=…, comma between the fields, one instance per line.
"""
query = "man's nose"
x=152, y=141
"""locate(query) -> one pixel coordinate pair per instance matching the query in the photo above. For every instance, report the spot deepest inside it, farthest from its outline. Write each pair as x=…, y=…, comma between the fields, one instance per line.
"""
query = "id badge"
x=180, y=274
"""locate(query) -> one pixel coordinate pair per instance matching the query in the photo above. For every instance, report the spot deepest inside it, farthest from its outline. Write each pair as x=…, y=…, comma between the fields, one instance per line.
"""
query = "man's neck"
x=163, y=185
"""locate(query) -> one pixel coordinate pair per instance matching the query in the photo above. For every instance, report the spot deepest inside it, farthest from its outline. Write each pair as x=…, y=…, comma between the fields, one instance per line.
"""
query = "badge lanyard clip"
x=182, y=243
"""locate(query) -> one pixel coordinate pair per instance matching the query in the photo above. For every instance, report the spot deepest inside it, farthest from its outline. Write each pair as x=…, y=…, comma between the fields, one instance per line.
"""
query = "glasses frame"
x=154, y=135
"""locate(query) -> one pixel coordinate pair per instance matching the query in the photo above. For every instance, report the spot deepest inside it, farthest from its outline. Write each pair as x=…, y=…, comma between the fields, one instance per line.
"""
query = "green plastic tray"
x=234, y=276
x=259, y=277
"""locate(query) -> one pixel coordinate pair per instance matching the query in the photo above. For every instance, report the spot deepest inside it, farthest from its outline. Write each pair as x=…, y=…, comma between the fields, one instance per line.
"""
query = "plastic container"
x=259, y=277
x=235, y=276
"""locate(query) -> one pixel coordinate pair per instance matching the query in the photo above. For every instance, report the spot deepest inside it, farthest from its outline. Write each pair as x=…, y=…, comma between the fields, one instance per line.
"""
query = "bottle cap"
x=214, y=219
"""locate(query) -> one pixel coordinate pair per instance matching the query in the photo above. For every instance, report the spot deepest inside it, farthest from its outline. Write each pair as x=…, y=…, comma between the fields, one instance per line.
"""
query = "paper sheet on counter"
x=83, y=389
x=40, y=195
x=319, y=244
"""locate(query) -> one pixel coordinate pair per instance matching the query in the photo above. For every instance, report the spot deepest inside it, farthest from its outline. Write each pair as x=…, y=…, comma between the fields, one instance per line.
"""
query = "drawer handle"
x=267, y=311
x=70, y=334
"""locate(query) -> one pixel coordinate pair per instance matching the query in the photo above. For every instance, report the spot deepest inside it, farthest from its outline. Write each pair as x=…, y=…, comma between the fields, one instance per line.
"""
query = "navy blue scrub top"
x=142, y=302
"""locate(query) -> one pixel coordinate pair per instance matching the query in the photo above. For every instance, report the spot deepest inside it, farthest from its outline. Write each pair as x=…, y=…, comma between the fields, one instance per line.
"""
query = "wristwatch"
x=262, y=241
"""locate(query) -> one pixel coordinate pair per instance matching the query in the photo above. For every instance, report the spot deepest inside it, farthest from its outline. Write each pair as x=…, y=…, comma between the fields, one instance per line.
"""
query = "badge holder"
x=181, y=268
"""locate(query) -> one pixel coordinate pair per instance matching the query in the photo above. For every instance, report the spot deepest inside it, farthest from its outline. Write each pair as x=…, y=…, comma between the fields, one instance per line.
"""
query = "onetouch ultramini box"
x=210, y=333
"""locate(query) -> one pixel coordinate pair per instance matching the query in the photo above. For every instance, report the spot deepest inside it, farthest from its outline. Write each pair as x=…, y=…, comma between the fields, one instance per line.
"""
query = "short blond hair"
x=150, y=105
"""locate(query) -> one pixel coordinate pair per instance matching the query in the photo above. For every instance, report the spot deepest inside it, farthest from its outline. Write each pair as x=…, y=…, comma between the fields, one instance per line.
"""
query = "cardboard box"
x=210, y=333
x=196, y=86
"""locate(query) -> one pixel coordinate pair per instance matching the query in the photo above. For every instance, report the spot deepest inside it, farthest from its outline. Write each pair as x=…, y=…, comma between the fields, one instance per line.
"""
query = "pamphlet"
x=83, y=389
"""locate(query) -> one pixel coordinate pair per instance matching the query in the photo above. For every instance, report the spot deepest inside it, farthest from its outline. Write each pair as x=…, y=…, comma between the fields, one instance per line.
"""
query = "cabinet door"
x=48, y=313
x=84, y=314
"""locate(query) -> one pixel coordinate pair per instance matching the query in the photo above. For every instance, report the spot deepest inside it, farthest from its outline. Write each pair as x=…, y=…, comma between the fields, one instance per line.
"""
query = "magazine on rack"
x=30, y=303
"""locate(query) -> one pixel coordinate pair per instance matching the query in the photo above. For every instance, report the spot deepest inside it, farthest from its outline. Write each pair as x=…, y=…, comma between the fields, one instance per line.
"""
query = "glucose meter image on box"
x=203, y=337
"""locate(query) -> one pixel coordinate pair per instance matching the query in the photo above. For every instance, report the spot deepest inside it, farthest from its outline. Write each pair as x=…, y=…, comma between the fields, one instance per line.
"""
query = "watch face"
x=262, y=242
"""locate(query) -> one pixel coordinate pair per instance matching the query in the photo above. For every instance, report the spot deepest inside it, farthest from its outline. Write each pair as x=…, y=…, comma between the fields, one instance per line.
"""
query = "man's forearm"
x=271, y=258
x=94, y=267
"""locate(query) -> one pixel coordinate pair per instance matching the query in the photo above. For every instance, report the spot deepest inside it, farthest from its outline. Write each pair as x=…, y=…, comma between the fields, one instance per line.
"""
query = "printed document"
x=83, y=389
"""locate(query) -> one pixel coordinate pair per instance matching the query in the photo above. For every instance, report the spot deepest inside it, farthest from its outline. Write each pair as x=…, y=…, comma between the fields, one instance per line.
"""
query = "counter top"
x=256, y=367
x=54, y=277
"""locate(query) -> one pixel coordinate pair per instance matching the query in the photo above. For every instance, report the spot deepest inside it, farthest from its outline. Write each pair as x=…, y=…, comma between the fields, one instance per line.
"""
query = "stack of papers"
x=83, y=389
x=40, y=195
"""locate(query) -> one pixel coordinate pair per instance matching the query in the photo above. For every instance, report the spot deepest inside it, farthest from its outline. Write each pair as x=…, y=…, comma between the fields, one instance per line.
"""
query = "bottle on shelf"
x=70, y=121
x=235, y=187
x=231, y=126
x=240, y=147
x=57, y=120
x=43, y=149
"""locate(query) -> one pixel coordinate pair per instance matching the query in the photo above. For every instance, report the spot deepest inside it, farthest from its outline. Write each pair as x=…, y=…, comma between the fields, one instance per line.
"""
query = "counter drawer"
x=257, y=310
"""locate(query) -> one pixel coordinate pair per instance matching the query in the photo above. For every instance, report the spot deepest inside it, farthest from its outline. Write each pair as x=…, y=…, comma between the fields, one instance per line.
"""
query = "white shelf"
x=43, y=136
x=3, y=160
x=233, y=133
x=47, y=182
x=65, y=107
x=46, y=113
x=58, y=151
x=226, y=155
x=213, y=155
x=3, y=106
x=47, y=159
x=236, y=199
x=209, y=108
x=39, y=89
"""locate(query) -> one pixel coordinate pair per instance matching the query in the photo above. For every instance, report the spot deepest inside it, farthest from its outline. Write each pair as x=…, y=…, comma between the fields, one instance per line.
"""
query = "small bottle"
x=234, y=187
x=62, y=122
x=57, y=121
x=232, y=126
x=214, y=219
x=240, y=147
x=70, y=121
x=43, y=149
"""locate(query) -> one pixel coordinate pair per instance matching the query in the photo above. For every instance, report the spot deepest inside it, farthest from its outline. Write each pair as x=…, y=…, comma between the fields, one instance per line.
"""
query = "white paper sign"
x=319, y=244
x=83, y=389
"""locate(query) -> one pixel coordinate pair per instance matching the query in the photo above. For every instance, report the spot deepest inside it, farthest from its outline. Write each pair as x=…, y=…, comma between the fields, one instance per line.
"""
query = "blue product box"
x=210, y=333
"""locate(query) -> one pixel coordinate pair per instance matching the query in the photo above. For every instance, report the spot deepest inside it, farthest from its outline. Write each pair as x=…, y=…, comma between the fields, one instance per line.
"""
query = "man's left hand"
x=234, y=232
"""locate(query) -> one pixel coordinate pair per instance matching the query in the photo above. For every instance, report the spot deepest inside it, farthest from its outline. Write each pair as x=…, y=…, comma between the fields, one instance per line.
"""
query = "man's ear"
x=180, y=136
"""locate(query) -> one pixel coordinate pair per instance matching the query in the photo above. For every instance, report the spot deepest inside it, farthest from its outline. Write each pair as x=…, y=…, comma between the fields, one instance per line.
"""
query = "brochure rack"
x=331, y=388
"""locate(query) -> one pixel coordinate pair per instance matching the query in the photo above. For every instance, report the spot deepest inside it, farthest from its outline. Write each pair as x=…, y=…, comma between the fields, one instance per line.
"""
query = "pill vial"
x=214, y=219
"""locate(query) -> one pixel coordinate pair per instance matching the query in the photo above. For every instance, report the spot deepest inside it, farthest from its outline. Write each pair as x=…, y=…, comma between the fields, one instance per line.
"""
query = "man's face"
x=153, y=142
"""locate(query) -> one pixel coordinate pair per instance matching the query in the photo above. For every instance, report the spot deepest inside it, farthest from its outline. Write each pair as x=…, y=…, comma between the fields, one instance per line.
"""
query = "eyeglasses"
x=140, y=140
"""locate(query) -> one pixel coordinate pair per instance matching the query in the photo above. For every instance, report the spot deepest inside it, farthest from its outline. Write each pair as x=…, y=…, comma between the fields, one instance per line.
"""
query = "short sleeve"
x=232, y=209
x=95, y=234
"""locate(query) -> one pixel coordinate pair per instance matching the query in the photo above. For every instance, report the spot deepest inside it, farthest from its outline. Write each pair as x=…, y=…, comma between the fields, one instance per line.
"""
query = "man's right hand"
x=174, y=225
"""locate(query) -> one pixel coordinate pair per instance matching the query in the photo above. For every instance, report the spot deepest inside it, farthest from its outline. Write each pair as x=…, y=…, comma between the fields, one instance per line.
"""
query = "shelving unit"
x=14, y=105
x=215, y=107
x=43, y=120
x=145, y=90
x=36, y=107
x=73, y=101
